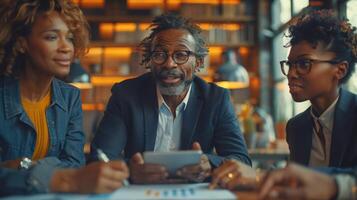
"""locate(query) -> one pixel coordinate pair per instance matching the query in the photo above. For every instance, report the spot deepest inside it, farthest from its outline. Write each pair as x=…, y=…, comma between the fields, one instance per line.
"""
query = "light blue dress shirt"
x=168, y=135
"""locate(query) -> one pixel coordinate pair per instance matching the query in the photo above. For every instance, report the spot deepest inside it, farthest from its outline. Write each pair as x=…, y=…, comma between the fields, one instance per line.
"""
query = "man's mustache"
x=171, y=72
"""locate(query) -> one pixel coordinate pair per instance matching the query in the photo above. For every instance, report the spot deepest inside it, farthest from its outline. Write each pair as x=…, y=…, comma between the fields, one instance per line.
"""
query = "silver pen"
x=103, y=157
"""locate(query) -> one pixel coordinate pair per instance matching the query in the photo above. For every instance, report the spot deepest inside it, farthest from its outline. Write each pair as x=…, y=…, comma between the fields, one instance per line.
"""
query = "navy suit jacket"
x=343, y=152
x=130, y=122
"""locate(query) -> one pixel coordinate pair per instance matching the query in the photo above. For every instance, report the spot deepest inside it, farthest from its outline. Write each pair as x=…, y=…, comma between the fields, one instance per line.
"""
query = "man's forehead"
x=174, y=37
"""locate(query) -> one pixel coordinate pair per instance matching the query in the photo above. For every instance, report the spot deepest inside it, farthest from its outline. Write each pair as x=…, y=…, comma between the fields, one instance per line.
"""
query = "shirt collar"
x=160, y=99
x=327, y=117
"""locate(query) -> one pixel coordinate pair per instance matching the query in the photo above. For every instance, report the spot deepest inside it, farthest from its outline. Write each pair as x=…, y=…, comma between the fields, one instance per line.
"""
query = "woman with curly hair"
x=322, y=57
x=40, y=116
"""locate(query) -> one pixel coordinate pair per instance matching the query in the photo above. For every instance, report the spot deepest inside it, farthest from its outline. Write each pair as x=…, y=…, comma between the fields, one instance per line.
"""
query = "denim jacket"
x=64, y=120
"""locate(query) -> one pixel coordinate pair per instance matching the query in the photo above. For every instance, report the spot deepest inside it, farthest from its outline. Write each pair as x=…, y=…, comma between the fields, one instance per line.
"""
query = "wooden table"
x=247, y=195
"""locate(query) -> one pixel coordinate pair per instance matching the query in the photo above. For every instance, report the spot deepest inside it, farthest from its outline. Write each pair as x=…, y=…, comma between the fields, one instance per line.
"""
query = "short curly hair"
x=17, y=18
x=172, y=21
x=324, y=26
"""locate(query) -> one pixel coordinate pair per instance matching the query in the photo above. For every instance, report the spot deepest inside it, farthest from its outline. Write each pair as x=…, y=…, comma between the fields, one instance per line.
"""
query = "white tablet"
x=173, y=160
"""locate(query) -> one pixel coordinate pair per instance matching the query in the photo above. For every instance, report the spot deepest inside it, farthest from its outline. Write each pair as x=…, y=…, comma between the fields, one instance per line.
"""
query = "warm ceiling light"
x=232, y=84
x=108, y=80
x=230, y=27
x=106, y=30
x=205, y=26
x=91, y=3
x=140, y=4
x=144, y=26
x=215, y=53
x=215, y=50
x=130, y=27
x=95, y=51
x=215, y=2
x=173, y=4
x=117, y=52
x=243, y=51
x=230, y=1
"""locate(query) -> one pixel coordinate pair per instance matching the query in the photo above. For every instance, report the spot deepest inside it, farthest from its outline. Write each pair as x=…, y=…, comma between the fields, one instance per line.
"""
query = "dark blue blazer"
x=130, y=122
x=343, y=152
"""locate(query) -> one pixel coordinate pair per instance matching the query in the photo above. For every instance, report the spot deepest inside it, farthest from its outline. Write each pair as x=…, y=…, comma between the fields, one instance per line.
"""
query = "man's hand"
x=198, y=172
x=97, y=177
x=233, y=173
x=146, y=173
x=297, y=182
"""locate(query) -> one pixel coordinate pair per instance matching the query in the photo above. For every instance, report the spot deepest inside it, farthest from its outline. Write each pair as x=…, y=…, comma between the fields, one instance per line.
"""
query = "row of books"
x=244, y=8
x=242, y=36
x=216, y=35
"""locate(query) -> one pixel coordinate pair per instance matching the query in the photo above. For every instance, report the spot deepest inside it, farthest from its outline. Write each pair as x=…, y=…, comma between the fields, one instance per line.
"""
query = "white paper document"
x=198, y=191
x=174, y=192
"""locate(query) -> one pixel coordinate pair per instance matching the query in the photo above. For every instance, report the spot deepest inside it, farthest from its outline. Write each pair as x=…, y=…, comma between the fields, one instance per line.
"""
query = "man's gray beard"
x=173, y=90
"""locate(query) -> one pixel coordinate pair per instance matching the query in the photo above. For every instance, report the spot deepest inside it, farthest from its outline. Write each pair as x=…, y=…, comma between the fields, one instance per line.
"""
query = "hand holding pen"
x=103, y=157
x=96, y=177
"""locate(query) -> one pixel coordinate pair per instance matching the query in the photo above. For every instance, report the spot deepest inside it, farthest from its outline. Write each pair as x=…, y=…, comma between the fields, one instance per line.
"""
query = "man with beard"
x=170, y=108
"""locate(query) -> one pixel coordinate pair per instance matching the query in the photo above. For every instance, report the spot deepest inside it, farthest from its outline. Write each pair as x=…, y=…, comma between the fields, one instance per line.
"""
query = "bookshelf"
x=118, y=26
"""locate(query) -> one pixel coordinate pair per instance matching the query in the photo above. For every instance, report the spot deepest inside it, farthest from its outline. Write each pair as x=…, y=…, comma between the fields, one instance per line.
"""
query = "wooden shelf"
x=233, y=26
x=136, y=19
x=229, y=45
x=148, y=19
x=113, y=44
x=238, y=19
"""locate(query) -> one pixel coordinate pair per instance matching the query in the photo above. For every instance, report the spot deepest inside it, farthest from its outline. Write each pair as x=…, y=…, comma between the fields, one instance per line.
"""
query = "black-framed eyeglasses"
x=179, y=57
x=302, y=66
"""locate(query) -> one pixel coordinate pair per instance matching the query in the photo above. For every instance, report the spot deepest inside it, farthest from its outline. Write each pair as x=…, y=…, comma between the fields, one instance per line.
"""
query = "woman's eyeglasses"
x=302, y=66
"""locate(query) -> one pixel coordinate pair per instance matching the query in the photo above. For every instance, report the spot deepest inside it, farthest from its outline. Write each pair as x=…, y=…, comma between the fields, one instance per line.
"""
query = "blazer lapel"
x=190, y=118
x=149, y=102
x=303, y=141
x=342, y=127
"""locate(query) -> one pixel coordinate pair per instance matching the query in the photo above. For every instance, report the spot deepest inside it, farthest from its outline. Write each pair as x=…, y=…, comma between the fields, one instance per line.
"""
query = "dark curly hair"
x=17, y=18
x=324, y=26
x=172, y=21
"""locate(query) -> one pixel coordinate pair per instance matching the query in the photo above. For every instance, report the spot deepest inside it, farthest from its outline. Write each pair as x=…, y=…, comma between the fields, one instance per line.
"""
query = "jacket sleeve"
x=289, y=139
x=35, y=180
x=228, y=139
x=111, y=135
x=72, y=154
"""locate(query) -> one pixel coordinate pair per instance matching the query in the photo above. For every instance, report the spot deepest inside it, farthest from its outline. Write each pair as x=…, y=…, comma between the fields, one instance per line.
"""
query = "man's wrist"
x=64, y=181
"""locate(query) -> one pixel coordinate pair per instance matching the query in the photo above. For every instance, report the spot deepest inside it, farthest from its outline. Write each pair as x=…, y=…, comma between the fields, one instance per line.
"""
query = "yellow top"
x=37, y=113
